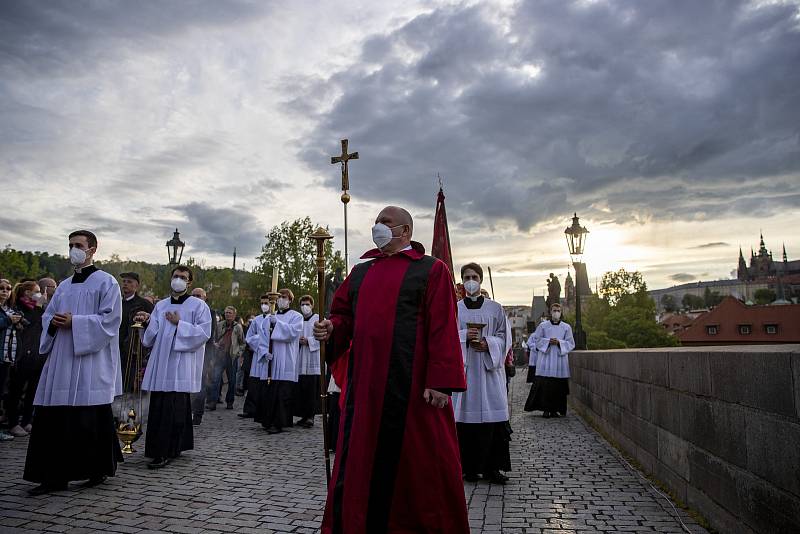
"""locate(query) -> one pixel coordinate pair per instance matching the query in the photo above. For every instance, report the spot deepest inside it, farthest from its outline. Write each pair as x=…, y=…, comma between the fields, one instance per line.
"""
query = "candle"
x=275, y=279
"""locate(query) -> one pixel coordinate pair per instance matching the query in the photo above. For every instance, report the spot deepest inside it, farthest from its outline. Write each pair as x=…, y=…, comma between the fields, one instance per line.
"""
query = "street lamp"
x=576, y=241
x=175, y=248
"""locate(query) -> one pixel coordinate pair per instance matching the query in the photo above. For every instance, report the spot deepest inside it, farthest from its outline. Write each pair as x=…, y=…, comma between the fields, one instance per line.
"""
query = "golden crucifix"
x=343, y=158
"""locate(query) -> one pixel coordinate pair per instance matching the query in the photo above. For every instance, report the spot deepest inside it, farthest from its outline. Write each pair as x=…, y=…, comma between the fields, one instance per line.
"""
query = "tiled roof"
x=731, y=314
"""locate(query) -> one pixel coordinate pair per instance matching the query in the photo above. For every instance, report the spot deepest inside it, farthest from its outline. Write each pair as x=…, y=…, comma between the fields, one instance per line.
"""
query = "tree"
x=764, y=296
x=290, y=249
x=668, y=303
x=616, y=284
x=692, y=302
x=625, y=315
x=711, y=298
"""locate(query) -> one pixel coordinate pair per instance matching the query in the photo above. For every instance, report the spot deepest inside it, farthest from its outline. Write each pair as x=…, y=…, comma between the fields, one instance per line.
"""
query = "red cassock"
x=397, y=463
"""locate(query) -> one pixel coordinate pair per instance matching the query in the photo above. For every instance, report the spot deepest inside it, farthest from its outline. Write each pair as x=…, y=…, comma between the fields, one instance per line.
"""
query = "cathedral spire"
x=784, y=253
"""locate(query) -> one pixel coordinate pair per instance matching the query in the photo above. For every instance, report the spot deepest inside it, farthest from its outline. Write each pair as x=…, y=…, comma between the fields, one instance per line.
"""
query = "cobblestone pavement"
x=238, y=479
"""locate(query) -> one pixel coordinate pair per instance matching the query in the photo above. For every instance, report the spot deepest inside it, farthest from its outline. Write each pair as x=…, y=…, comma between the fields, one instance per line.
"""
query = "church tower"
x=569, y=289
x=741, y=270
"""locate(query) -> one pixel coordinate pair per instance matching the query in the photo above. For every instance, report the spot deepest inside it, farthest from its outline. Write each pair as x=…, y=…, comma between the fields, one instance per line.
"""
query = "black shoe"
x=240, y=393
x=471, y=477
x=43, y=489
x=211, y=406
x=305, y=423
x=196, y=420
x=496, y=477
x=274, y=430
x=245, y=415
x=229, y=406
x=92, y=482
x=158, y=463
x=547, y=415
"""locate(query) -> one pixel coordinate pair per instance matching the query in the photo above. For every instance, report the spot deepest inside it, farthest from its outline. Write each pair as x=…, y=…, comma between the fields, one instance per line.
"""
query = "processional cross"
x=343, y=158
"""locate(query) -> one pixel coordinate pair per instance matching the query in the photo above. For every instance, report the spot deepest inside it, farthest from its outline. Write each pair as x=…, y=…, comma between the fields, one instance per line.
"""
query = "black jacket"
x=28, y=357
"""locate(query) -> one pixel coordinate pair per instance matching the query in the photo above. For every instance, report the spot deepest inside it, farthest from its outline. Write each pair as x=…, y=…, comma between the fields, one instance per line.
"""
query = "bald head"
x=402, y=225
x=199, y=292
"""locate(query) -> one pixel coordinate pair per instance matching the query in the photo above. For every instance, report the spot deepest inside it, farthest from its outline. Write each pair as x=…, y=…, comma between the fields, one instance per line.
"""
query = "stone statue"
x=553, y=291
x=332, y=283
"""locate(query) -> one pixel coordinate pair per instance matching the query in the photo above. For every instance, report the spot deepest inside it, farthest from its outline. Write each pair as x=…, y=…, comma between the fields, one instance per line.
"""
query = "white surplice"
x=176, y=358
x=286, y=345
x=82, y=367
x=552, y=360
x=308, y=363
x=258, y=341
x=486, y=398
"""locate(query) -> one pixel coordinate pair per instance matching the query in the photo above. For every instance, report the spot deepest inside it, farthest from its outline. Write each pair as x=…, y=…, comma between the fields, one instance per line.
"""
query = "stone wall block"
x=796, y=383
x=716, y=478
x=666, y=409
x=773, y=450
x=654, y=368
x=717, y=427
x=673, y=480
x=643, y=433
x=626, y=364
x=622, y=393
x=768, y=508
x=642, y=402
x=690, y=371
x=674, y=451
x=760, y=380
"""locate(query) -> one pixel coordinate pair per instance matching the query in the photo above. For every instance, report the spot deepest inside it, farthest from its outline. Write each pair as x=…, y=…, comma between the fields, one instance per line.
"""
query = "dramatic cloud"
x=715, y=244
x=652, y=109
x=671, y=127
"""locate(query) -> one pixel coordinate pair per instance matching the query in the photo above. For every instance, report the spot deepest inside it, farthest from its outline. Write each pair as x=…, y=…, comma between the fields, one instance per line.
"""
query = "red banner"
x=441, y=235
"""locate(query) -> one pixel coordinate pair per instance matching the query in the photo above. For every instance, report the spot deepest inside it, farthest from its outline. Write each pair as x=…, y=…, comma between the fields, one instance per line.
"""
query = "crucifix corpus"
x=343, y=158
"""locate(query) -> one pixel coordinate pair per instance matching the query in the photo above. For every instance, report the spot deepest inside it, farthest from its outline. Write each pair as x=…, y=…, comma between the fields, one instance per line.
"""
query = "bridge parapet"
x=719, y=426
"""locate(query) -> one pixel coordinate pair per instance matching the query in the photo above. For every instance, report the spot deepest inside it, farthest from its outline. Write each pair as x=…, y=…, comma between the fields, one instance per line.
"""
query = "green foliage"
x=289, y=248
x=711, y=298
x=616, y=284
x=692, y=302
x=624, y=317
x=764, y=296
x=668, y=303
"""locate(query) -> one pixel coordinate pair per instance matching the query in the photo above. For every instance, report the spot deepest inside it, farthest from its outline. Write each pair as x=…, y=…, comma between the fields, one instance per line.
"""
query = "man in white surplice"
x=551, y=343
x=276, y=393
x=481, y=412
x=258, y=340
x=73, y=435
x=177, y=331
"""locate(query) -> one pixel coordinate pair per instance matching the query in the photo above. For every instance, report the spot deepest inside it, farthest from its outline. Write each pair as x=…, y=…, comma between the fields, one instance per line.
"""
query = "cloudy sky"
x=671, y=127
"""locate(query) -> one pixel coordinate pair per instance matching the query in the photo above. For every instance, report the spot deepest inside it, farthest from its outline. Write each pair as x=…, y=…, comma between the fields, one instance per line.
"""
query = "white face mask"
x=556, y=315
x=178, y=285
x=265, y=308
x=472, y=287
x=283, y=303
x=382, y=235
x=306, y=309
x=36, y=296
x=77, y=256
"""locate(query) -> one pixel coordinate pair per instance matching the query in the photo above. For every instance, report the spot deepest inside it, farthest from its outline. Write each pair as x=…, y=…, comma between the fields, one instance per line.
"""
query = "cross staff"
x=343, y=158
x=321, y=235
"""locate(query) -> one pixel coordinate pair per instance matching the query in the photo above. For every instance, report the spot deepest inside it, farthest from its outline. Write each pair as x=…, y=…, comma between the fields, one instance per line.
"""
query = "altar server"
x=481, y=411
x=177, y=331
x=275, y=397
x=73, y=435
x=306, y=399
x=551, y=342
x=257, y=339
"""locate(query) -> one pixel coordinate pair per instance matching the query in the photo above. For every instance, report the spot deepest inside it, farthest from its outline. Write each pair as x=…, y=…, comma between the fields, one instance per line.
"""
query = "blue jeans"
x=230, y=366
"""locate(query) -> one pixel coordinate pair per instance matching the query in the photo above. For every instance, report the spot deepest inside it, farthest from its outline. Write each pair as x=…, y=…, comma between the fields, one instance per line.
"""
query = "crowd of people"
x=418, y=381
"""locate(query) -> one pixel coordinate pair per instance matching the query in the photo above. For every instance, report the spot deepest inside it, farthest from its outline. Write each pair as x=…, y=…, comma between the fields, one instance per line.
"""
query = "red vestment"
x=397, y=463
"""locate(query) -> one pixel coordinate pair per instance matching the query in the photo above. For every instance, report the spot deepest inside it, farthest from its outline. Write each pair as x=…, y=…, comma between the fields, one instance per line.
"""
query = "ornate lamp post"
x=175, y=248
x=576, y=241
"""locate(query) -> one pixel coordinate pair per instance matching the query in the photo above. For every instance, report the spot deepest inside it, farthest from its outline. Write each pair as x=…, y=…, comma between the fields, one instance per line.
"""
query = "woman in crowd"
x=9, y=325
x=28, y=363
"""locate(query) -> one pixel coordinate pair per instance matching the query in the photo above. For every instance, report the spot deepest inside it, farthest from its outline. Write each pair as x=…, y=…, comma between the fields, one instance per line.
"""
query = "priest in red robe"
x=397, y=463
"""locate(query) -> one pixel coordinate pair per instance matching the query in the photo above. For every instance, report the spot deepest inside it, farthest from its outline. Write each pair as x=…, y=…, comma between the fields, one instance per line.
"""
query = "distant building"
x=782, y=277
x=733, y=323
x=763, y=266
x=674, y=323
